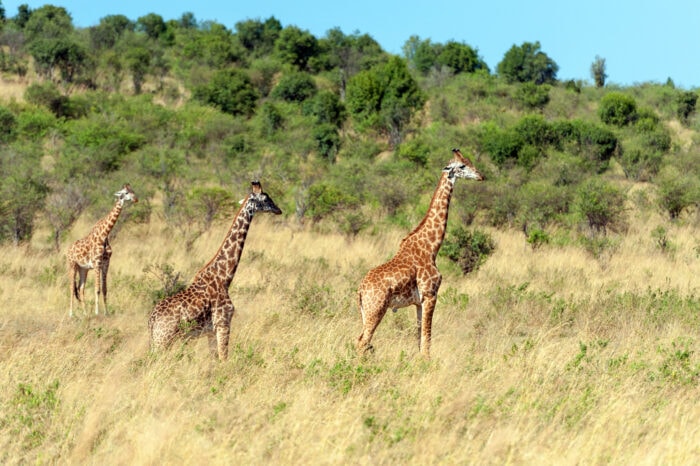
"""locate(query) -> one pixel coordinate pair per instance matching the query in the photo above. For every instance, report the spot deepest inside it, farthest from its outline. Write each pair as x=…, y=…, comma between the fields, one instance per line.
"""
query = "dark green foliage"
x=501, y=145
x=468, y=249
x=385, y=98
x=35, y=123
x=231, y=91
x=296, y=47
x=527, y=63
x=295, y=87
x=23, y=189
x=598, y=71
x=531, y=96
x=415, y=151
x=48, y=96
x=678, y=191
x=325, y=199
x=48, y=22
x=327, y=108
x=328, y=140
x=8, y=125
x=258, y=36
x=111, y=28
x=461, y=58
x=685, y=102
x=601, y=204
x=541, y=203
x=617, y=109
x=152, y=24
x=272, y=119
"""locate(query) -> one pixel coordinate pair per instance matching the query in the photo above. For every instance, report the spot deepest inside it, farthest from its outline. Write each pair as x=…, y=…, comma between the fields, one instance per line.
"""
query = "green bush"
x=8, y=125
x=229, y=90
x=685, y=105
x=677, y=191
x=532, y=96
x=324, y=199
x=617, y=109
x=295, y=87
x=468, y=249
x=600, y=204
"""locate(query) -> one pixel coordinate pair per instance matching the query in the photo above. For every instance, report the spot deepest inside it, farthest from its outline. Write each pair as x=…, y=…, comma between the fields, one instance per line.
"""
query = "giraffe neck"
x=225, y=262
x=430, y=232
x=102, y=229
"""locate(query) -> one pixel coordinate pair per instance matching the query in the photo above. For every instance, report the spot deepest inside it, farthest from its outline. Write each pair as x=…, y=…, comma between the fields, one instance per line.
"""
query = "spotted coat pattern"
x=411, y=276
x=205, y=305
x=95, y=252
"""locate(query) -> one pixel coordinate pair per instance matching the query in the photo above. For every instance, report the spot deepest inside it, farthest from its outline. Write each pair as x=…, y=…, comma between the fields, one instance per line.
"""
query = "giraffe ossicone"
x=205, y=305
x=411, y=277
x=95, y=252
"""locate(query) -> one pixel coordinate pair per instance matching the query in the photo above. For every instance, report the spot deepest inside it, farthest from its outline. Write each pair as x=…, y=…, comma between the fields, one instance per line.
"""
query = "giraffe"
x=205, y=306
x=95, y=252
x=411, y=276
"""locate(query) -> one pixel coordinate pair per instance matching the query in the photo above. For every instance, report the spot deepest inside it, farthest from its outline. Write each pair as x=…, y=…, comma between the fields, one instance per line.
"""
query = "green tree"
x=461, y=58
x=138, y=62
x=527, y=63
x=229, y=90
x=296, y=47
x=48, y=22
x=685, y=105
x=598, y=71
x=22, y=190
x=152, y=25
x=385, y=98
x=258, y=36
x=111, y=28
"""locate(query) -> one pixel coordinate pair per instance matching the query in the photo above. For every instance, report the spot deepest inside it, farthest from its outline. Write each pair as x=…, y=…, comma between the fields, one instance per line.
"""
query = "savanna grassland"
x=567, y=329
x=548, y=356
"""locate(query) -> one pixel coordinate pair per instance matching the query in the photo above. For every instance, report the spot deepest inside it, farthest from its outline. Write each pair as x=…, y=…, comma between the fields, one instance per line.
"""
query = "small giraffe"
x=94, y=252
x=205, y=306
x=411, y=276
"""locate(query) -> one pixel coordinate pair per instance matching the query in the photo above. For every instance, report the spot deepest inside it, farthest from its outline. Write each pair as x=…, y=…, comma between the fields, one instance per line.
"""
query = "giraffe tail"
x=75, y=290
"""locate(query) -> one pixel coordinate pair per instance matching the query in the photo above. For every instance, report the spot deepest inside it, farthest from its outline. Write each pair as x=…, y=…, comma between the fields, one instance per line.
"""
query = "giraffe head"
x=260, y=201
x=461, y=167
x=126, y=194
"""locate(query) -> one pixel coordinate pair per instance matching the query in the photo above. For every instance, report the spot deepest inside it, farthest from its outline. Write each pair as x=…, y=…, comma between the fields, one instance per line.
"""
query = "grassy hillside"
x=540, y=357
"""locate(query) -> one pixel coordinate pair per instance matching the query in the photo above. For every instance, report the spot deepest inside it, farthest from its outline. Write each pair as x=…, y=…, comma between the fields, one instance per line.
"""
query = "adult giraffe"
x=94, y=252
x=205, y=305
x=411, y=276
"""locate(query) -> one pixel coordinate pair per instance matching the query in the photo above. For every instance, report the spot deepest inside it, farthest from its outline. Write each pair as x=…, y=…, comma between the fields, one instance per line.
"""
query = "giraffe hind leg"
x=372, y=314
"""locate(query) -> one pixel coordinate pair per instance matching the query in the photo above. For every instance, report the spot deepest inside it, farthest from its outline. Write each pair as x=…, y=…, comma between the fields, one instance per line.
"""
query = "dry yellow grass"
x=540, y=357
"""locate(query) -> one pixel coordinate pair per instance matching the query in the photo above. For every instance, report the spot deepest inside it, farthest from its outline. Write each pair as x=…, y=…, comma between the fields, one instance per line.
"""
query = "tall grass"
x=549, y=356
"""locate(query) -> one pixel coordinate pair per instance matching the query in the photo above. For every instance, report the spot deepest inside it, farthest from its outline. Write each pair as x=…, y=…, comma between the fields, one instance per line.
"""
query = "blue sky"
x=641, y=40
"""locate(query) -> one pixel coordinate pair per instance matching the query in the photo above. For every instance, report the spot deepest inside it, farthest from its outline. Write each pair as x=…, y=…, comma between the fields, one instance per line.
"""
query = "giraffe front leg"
x=98, y=281
x=426, y=324
x=80, y=290
x=419, y=321
x=221, y=323
x=105, y=268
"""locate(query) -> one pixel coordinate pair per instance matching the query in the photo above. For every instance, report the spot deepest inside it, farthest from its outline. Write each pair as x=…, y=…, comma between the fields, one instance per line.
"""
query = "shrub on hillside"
x=601, y=204
x=8, y=125
x=295, y=87
x=617, y=109
x=468, y=249
x=532, y=96
x=677, y=191
x=229, y=90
